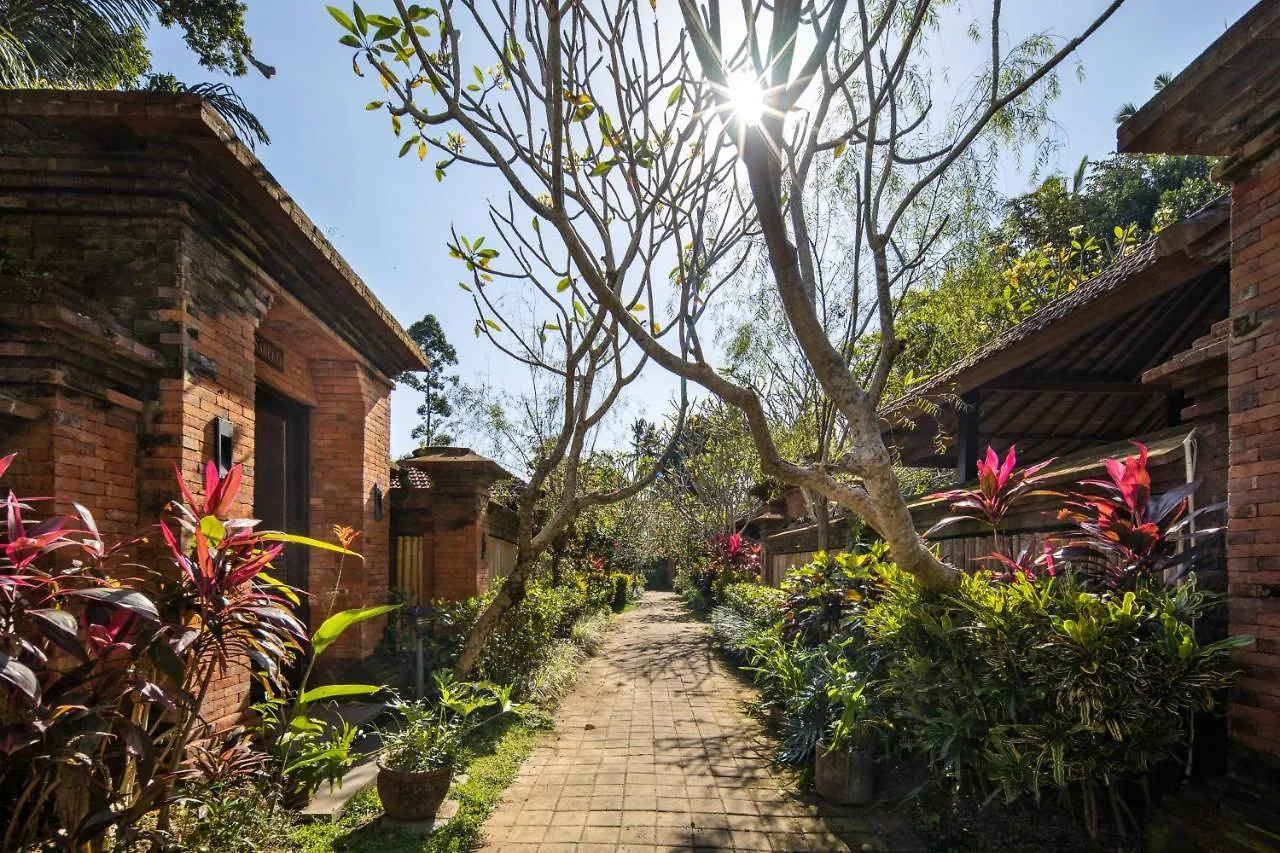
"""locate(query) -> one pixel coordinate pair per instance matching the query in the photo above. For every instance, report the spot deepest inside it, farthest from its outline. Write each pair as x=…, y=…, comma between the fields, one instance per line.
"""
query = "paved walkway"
x=651, y=752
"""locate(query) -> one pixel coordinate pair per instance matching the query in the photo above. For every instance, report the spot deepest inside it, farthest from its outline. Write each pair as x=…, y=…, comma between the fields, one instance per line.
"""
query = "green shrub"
x=821, y=597
x=1035, y=685
x=589, y=631
x=693, y=584
x=521, y=645
x=621, y=591
x=759, y=605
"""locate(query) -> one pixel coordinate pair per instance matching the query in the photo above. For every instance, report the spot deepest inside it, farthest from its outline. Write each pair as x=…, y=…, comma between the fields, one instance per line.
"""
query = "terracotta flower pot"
x=845, y=775
x=413, y=795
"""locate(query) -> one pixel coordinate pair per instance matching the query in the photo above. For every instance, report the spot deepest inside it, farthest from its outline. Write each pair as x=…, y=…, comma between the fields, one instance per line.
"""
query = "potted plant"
x=415, y=766
x=844, y=766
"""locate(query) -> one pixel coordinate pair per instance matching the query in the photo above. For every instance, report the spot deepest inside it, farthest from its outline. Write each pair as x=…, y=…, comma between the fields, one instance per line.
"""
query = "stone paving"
x=652, y=751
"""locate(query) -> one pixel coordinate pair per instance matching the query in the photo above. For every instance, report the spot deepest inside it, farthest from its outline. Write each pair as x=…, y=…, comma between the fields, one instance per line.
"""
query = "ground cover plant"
x=1067, y=672
x=106, y=663
x=571, y=626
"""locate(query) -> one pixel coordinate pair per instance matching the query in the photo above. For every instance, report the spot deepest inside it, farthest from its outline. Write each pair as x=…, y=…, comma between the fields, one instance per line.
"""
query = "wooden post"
x=967, y=419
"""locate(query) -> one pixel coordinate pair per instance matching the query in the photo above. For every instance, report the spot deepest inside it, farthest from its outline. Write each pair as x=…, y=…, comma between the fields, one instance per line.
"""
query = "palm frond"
x=16, y=68
x=77, y=42
x=225, y=101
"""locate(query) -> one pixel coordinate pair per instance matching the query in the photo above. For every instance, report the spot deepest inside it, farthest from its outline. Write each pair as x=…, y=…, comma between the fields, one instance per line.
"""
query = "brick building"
x=165, y=302
x=450, y=538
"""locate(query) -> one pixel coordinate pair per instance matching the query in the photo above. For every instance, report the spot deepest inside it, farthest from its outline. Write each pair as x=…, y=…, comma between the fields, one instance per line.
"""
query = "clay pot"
x=845, y=776
x=413, y=795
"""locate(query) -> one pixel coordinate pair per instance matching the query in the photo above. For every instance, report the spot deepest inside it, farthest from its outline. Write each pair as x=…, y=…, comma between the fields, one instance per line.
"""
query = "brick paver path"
x=651, y=752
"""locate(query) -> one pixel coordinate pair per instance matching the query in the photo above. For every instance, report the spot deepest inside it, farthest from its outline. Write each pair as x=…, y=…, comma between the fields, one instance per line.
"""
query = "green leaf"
x=362, y=24
x=349, y=41
x=342, y=18
x=563, y=285
x=676, y=94
x=583, y=112
x=333, y=627
x=277, y=536
x=395, y=125
x=280, y=587
x=213, y=529
x=603, y=168
x=373, y=105
x=337, y=691
x=492, y=325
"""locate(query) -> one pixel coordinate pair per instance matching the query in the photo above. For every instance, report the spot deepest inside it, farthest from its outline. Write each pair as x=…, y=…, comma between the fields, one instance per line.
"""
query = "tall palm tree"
x=101, y=44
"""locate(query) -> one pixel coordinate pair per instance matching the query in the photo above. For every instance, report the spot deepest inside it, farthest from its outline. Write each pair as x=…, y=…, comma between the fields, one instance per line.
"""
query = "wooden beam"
x=1015, y=436
x=969, y=418
x=1078, y=386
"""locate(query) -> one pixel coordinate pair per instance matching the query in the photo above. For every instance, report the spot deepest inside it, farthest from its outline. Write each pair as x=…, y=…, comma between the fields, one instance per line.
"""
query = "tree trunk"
x=511, y=593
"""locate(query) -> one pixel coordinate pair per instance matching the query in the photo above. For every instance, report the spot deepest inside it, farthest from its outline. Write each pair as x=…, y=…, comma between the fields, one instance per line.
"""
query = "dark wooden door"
x=280, y=482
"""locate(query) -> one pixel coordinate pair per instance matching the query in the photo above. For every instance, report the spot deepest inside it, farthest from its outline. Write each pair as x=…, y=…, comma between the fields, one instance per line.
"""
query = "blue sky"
x=391, y=219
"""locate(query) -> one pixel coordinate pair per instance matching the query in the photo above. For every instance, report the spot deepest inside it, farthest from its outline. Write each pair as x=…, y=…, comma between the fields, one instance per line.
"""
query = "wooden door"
x=281, y=494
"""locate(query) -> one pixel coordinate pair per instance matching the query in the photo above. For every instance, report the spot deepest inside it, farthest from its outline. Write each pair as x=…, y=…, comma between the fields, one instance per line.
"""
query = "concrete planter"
x=845, y=776
x=412, y=795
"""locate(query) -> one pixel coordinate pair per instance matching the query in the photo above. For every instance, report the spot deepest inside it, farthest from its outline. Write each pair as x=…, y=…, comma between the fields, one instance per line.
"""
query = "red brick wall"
x=1253, y=537
x=149, y=238
x=460, y=522
x=350, y=455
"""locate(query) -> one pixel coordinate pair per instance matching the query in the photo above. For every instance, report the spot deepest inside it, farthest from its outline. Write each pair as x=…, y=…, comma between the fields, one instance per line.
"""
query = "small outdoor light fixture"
x=377, y=502
x=223, y=444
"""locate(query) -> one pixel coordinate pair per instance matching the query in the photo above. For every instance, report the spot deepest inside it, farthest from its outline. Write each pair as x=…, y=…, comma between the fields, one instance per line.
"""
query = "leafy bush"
x=1073, y=668
x=821, y=597
x=758, y=604
x=1043, y=685
x=529, y=638
x=621, y=591
x=102, y=680
x=693, y=584
x=435, y=730
x=729, y=560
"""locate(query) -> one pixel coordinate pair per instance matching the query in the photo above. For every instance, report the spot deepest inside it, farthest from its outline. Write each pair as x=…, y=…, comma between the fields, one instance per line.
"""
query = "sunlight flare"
x=746, y=97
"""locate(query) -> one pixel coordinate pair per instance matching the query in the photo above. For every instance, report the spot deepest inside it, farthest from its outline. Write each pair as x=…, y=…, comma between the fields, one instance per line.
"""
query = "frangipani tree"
x=623, y=138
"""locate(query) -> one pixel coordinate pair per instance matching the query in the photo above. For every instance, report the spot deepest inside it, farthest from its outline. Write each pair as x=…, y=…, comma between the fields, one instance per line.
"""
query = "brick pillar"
x=349, y=458
x=459, y=512
x=1253, y=537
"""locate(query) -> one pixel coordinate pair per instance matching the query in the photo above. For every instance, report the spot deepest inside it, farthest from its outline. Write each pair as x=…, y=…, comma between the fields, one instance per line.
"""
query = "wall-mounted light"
x=223, y=444
x=377, y=502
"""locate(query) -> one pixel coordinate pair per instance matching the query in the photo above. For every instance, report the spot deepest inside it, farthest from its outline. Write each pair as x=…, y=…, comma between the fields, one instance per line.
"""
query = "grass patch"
x=493, y=766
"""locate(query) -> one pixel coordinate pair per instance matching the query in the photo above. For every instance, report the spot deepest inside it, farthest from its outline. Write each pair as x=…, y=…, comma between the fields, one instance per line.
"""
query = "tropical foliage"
x=1073, y=667
x=106, y=663
x=433, y=733
x=101, y=44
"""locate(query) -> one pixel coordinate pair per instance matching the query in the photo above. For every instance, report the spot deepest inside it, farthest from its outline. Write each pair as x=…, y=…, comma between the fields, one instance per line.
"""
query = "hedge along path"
x=652, y=751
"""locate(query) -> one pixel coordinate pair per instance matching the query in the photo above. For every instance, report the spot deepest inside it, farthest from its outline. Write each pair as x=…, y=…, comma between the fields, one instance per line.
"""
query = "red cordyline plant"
x=1125, y=532
x=1001, y=485
x=105, y=664
x=736, y=553
x=1122, y=532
